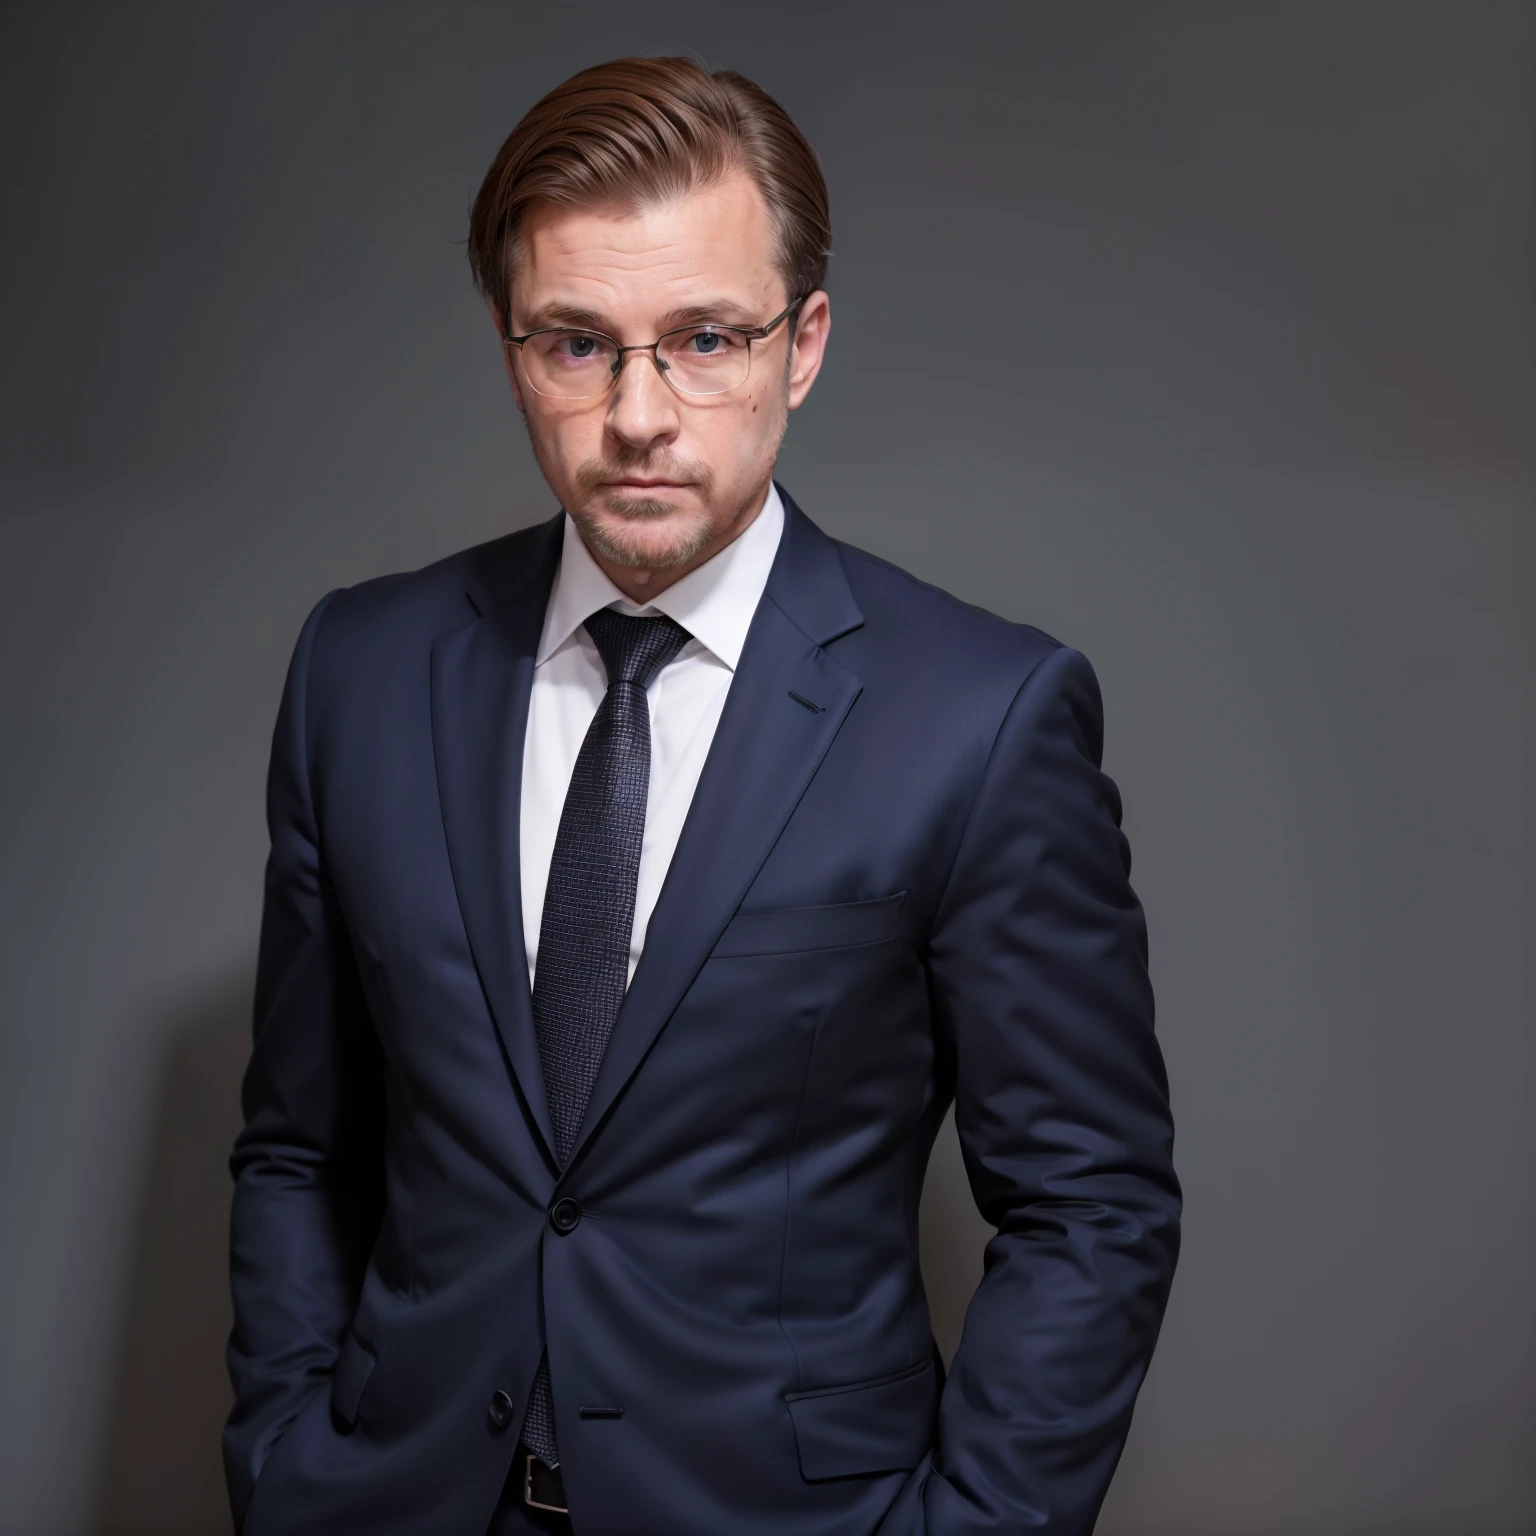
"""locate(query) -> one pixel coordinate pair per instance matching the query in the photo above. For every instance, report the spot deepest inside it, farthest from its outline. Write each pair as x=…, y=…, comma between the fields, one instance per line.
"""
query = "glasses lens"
x=569, y=365
x=705, y=359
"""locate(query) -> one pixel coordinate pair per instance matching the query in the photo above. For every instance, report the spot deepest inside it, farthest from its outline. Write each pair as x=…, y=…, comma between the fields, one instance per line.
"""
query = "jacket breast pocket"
x=785, y=929
x=885, y=1425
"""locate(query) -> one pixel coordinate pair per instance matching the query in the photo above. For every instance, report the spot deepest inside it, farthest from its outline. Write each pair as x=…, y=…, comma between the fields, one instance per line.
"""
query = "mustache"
x=593, y=474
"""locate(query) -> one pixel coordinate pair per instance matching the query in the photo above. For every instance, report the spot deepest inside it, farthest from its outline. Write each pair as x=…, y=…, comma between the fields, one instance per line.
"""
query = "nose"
x=641, y=406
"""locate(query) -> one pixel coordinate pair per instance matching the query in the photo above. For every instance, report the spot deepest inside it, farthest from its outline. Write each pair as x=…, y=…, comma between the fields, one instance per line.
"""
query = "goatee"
x=625, y=542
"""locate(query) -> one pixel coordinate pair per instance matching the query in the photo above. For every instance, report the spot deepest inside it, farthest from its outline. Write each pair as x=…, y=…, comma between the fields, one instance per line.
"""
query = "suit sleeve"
x=1039, y=973
x=308, y=1163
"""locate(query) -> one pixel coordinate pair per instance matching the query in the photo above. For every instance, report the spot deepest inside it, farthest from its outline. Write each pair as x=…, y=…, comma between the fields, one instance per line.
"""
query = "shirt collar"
x=714, y=602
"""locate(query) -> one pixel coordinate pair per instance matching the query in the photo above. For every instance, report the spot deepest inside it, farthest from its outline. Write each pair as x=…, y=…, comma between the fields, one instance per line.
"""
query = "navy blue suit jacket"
x=902, y=883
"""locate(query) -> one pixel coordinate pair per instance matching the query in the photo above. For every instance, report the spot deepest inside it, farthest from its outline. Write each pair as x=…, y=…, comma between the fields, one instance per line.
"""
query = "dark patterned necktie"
x=582, y=968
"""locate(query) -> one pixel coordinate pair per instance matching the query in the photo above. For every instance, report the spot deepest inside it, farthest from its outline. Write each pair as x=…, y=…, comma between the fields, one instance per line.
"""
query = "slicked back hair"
x=635, y=131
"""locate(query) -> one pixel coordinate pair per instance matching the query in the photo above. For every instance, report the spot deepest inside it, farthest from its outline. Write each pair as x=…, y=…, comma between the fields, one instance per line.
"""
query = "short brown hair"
x=633, y=130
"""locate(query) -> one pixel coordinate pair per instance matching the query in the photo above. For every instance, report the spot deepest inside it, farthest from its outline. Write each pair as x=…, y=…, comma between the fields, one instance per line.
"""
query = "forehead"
x=714, y=243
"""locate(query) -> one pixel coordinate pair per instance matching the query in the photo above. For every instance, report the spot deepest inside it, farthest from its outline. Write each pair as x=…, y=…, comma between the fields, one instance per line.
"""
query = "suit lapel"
x=786, y=703
x=481, y=678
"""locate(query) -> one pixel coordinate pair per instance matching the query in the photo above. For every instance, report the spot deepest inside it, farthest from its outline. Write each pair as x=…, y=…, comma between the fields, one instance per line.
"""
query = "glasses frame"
x=749, y=333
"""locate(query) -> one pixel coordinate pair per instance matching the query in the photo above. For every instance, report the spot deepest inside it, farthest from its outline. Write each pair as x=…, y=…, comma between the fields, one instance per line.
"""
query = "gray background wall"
x=1244, y=296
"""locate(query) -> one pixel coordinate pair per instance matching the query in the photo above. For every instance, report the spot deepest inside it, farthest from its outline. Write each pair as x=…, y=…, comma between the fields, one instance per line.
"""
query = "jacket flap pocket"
x=872, y=1426
x=352, y=1373
x=792, y=928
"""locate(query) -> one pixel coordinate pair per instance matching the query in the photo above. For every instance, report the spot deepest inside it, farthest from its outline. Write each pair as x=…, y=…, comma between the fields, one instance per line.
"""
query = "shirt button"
x=501, y=1410
x=564, y=1215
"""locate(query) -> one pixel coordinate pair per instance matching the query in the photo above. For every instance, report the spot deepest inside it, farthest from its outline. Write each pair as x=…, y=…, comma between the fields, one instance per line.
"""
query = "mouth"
x=644, y=483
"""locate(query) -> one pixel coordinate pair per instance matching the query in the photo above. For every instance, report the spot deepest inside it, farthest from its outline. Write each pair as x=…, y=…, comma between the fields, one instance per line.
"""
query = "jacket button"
x=564, y=1215
x=501, y=1410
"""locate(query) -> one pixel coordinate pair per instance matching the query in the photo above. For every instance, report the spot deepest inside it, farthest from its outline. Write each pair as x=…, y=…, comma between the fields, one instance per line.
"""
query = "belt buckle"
x=528, y=1498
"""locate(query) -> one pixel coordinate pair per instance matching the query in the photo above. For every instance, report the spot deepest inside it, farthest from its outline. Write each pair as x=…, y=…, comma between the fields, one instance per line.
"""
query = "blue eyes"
x=692, y=345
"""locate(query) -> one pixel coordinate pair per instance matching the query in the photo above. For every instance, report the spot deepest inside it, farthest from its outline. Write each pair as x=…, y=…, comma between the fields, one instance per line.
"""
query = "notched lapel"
x=766, y=751
x=481, y=679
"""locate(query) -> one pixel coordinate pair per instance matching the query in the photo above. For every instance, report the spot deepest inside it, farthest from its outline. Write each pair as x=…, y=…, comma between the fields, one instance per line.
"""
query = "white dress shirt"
x=715, y=604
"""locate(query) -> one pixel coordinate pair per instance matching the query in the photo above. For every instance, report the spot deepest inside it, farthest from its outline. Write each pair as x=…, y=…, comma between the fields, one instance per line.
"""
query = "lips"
x=648, y=485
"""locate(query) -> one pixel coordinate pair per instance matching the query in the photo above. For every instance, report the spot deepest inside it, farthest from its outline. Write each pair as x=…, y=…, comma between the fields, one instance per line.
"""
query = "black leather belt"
x=543, y=1487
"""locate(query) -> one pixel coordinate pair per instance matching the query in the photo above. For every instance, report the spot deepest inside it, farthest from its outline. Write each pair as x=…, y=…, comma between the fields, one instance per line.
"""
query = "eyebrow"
x=721, y=311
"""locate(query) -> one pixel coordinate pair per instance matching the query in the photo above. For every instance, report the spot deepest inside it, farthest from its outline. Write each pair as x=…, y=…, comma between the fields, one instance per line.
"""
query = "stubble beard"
x=622, y=536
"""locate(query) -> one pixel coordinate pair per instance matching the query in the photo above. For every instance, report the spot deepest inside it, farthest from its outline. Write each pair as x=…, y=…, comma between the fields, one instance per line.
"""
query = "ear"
x=808, y=346
x=507, y=360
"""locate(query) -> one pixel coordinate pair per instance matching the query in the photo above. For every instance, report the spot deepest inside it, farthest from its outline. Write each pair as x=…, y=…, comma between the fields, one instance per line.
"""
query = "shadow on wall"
x=952, y=1238
x=164, y=1475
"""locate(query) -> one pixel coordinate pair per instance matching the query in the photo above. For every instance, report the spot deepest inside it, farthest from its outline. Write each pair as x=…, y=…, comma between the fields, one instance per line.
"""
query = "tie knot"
x=635, y=650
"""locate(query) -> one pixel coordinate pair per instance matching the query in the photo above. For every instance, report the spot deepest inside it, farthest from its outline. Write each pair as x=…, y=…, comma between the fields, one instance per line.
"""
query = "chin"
x=651, y=536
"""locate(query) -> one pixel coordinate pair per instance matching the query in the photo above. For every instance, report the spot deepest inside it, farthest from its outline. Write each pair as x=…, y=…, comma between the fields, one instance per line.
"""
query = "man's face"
x=657, y=481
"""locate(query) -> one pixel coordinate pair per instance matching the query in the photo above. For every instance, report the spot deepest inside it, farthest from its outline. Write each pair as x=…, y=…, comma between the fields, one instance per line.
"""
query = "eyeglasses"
x=705, y=359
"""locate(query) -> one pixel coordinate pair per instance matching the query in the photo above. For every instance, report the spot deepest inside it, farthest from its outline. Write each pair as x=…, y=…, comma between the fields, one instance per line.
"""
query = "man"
x=644, y=887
